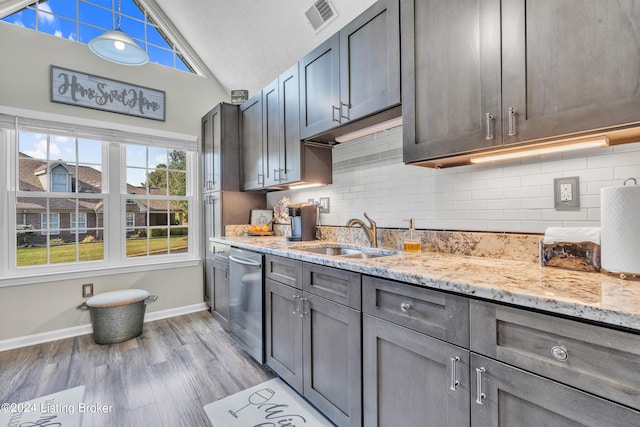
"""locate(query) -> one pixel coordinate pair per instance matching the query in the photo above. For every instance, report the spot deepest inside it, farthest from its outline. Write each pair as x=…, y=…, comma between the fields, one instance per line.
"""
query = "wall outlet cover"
x=566, y=193
x=87, y=290
x=325, y=204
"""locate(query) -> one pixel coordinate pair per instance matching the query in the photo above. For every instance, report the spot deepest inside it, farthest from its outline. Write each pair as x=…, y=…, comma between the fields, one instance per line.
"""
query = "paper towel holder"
x=635, y=181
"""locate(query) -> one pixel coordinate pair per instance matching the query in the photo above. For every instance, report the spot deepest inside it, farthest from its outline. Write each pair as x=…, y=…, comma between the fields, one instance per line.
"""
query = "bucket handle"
x=83, y=307
x=150, y=299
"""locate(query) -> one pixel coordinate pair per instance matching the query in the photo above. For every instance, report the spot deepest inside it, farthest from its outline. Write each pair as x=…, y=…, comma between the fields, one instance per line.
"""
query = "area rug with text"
x=62, y=409
x=272, y=403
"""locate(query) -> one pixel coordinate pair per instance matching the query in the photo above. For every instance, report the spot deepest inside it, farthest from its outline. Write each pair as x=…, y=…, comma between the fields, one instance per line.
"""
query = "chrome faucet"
x=371, y=231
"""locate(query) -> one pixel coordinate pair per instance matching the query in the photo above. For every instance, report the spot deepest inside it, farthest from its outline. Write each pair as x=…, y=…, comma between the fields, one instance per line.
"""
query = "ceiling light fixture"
x=539, y=150
x=386, y=125
x=116, y=46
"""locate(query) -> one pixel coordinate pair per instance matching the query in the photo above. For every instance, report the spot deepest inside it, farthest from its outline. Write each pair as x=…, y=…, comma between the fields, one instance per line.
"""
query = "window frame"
x=51, y=231
x=73, y=223
x=115, y=260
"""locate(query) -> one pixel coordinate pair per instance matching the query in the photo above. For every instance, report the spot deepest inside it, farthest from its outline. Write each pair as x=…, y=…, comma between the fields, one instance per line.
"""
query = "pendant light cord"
x=119, y=15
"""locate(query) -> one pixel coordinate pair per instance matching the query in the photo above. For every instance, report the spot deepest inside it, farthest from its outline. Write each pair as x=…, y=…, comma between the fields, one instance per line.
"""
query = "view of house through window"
x=62, y=200
x=156, y=208
x=84, y=20
x=59, y=203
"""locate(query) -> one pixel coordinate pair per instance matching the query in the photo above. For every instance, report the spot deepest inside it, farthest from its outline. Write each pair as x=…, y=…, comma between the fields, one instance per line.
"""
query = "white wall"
x=45, y=305
x=369, y=176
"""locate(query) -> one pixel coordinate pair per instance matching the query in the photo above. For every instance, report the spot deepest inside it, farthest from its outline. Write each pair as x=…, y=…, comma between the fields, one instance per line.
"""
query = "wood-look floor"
x=162, y=378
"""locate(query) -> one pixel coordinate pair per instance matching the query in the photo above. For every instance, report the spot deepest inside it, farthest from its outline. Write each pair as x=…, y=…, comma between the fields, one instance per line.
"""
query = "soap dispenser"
x=411, y=238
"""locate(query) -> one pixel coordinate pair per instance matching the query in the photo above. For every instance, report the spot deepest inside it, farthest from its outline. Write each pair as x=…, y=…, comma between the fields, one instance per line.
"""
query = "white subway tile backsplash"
x=517, y=196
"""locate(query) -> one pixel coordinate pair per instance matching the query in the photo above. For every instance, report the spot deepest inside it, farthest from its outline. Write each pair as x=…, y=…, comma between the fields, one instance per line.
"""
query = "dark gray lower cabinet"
x=220, y=303
x=411, y=379
x=314, y=344
x=332, y=359
x=507, y=396
x=284, y=332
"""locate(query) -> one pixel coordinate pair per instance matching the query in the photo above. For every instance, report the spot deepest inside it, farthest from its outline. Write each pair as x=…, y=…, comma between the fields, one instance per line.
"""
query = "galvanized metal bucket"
x=117, y=316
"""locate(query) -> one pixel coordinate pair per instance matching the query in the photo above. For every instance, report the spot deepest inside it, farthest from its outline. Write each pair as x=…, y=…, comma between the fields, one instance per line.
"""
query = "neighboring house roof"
x=88, y=180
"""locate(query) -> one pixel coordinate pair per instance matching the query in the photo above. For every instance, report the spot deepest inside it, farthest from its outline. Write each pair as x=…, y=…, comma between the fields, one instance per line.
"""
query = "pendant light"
x=116, y=46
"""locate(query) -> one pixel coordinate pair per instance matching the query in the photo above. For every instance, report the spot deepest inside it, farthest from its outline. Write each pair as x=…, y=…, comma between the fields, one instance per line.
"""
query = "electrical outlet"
x=566, y=193
x=325, y=204
x=87, y=290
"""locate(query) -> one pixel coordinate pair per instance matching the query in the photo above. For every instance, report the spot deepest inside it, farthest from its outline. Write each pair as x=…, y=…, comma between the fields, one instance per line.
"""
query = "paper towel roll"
x=620, y=228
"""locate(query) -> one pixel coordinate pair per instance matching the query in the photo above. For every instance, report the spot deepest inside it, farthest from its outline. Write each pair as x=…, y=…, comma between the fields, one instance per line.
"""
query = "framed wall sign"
x=89, y=91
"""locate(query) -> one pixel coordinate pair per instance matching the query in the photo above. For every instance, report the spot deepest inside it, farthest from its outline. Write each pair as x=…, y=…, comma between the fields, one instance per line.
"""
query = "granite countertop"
x=592, y=296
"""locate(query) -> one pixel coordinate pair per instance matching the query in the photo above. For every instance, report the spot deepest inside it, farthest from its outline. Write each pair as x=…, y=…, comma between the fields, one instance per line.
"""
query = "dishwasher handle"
x=244, y=261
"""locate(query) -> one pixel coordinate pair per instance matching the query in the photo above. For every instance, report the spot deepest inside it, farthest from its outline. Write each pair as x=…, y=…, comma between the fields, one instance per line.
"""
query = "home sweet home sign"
x=89, y=91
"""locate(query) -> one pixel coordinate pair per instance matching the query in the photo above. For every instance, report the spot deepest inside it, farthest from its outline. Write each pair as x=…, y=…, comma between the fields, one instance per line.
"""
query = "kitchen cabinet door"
x=506, y=396
x=284, y=332
x=220, y=302
x=450, y=77
x=290, y=160
x=412, y=379
x=221, y=157
x=270, y=134
x=370, y=61
x=332, y=354
x=569, y=67
x=320, y=88
x=251, y=143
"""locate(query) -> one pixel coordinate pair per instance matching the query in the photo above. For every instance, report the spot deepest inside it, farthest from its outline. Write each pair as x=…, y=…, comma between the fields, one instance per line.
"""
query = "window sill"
x=54, y=276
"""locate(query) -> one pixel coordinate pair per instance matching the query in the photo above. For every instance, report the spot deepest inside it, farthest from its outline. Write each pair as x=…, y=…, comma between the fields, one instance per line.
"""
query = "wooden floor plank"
x=162, y=378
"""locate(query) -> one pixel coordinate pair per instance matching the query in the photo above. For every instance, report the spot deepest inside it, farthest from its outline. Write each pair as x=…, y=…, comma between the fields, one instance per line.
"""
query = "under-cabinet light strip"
x=559, y=147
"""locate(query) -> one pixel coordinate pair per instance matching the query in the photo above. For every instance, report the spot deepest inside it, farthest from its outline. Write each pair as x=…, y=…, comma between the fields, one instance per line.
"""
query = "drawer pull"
x=480, y=396
x=559, y=353
x=454, y=380
x=296, y=308
x=405, y=307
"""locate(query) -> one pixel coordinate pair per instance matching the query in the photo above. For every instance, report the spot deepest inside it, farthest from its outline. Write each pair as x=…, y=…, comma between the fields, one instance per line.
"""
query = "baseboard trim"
x=59, y=334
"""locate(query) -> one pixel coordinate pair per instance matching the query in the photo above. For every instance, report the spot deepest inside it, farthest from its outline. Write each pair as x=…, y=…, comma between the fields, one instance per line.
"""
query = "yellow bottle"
x=411, y=238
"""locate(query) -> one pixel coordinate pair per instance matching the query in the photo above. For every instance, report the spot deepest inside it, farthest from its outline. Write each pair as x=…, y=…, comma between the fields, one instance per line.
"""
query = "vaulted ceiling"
x=248, y=43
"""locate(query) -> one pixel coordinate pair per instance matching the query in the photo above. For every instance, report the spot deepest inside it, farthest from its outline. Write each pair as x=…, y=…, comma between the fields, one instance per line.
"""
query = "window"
x=131, y=221
x=156, y=200
x=85, y=196
x=50, y=226
x=78, y=223
x=83, y=20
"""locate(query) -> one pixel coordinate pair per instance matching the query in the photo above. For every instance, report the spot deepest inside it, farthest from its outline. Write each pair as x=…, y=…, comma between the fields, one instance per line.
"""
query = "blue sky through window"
x=91, y=18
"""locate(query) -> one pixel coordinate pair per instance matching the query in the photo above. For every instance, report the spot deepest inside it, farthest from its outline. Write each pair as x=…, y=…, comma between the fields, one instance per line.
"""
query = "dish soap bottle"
x=411, y=238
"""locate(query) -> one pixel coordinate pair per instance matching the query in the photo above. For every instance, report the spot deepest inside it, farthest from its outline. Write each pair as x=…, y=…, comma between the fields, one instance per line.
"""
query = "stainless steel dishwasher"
x=246, y=301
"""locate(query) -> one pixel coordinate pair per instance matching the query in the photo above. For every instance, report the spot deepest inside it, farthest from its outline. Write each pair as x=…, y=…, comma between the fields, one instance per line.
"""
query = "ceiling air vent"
x=321, y=13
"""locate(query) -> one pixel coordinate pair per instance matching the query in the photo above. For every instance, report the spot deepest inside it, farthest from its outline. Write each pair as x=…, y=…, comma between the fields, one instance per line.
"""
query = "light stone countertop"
x=592, y=296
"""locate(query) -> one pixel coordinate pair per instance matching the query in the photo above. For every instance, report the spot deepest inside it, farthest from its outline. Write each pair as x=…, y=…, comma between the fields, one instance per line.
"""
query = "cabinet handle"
x=479, y=394
x=260, y=175
x=282, y=172
x=296, y=309
x=405, y=306
x=333, y=113
x=489, y=124
x=559, y=353
x=348, y=108
x=276, y=175
x=454, y=380
x=302, y=301
x=512, y=120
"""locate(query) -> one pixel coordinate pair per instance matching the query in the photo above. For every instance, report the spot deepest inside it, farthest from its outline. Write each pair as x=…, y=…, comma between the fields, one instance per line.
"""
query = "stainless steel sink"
x=347, y=251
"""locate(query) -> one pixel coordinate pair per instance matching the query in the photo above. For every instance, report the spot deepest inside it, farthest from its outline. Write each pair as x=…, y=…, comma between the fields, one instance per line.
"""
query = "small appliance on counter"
x=303, y=222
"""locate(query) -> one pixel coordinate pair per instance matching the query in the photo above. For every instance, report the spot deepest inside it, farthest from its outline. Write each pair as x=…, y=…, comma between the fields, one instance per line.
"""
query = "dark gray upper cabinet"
x=251, y=139
x=320, y=88
x=569, y=67
x=220, y=140
x=450, y=77
x=370, y=61
x=353, y=74
x=479, y=74
x=274, y=155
